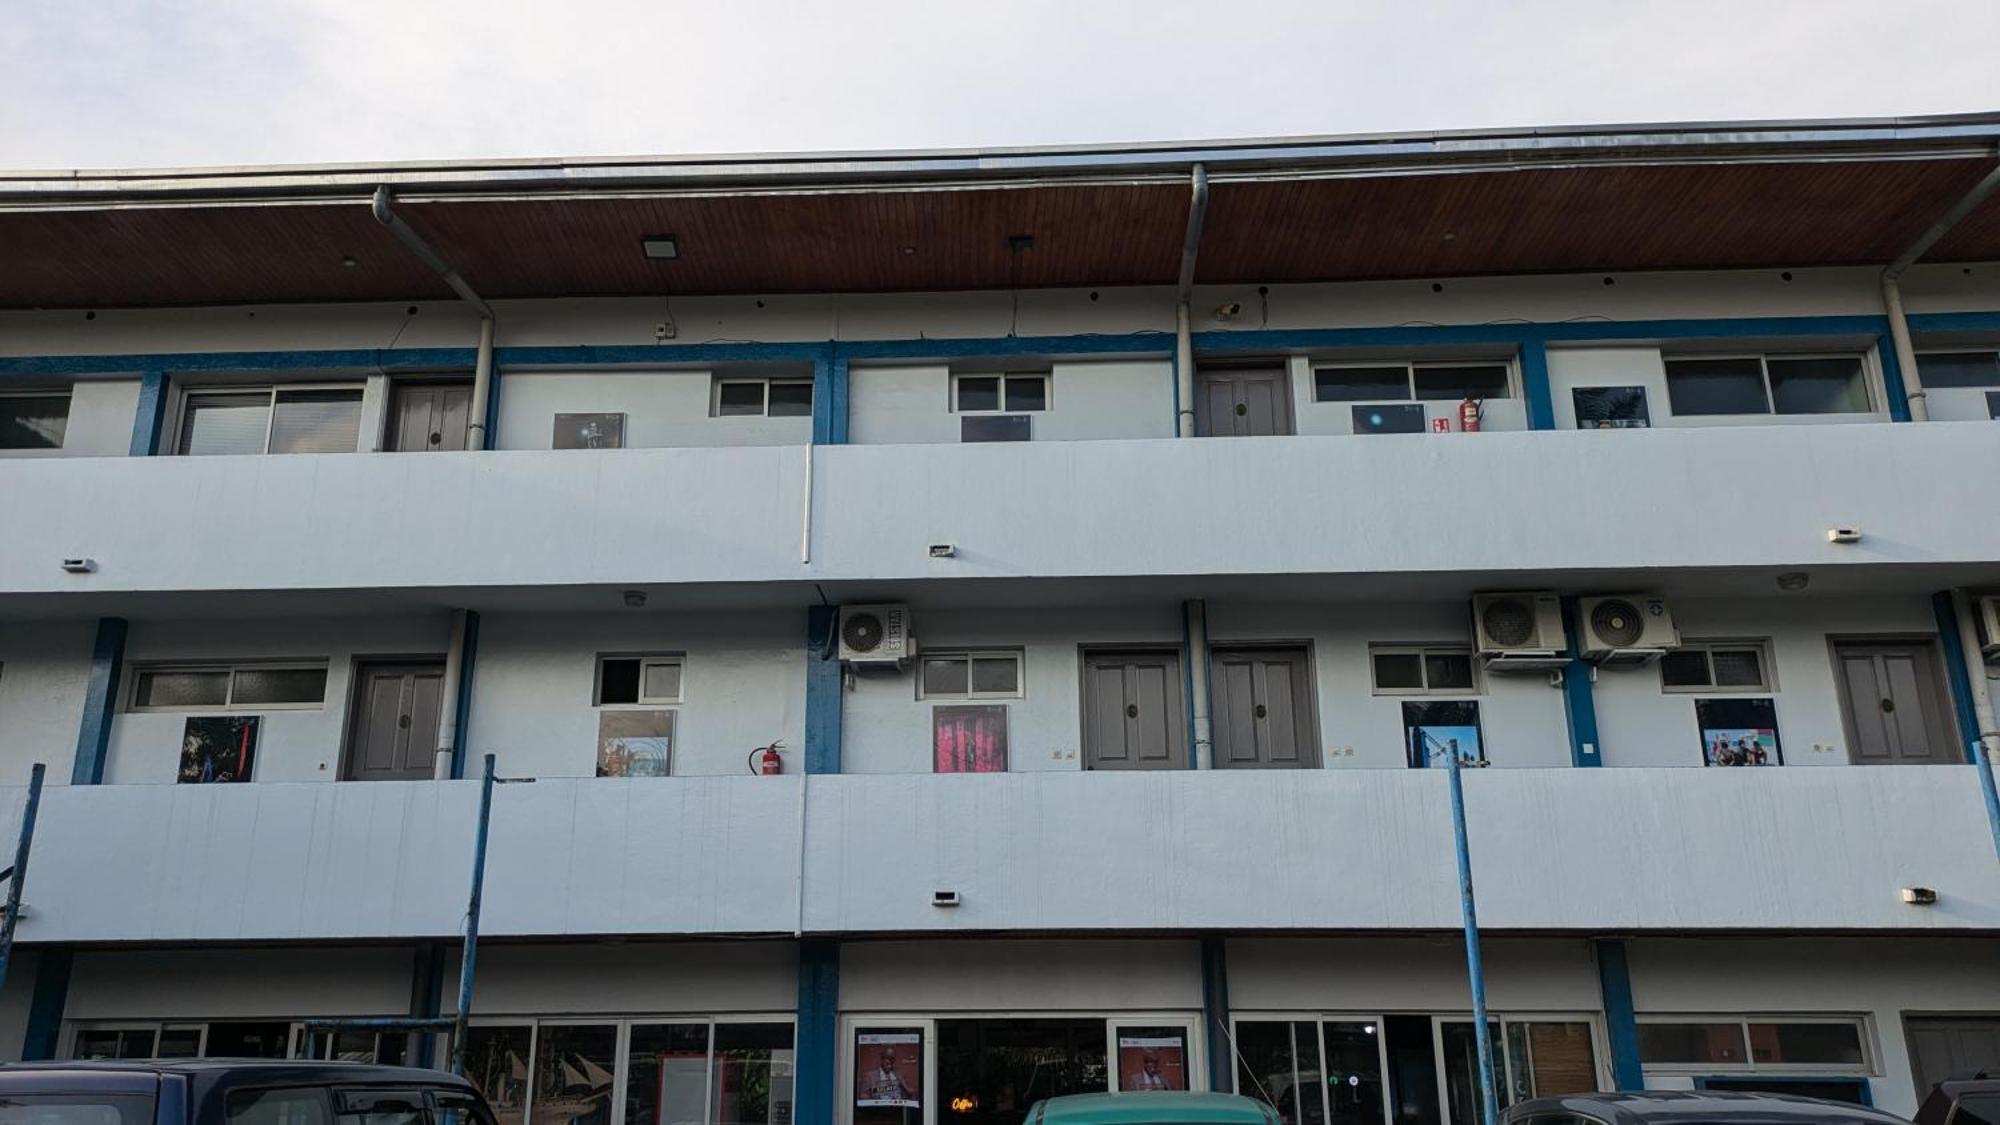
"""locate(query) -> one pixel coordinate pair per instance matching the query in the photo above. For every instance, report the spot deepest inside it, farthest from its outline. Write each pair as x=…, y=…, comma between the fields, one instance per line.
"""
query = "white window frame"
x=1410, y=368
x=1420, y=651
x=1864, y=1029
x=764, y=383
x=189, y=395
x=231, y=667
x=1865, y=359
x=1762, y=645
x=646, y=660
x=1048, y=392
x=968, y=655
x=66, y=392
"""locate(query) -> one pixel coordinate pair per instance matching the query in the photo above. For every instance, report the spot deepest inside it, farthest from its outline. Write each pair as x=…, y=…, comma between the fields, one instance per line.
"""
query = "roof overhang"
x=1612, y=198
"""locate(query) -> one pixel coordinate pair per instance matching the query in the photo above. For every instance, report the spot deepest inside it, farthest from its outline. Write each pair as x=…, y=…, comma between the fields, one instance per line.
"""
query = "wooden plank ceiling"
x=1435, y=225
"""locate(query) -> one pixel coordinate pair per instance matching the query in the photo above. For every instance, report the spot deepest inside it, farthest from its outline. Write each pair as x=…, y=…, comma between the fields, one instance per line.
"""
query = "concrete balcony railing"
x=1492, y=503
x=1566, y=850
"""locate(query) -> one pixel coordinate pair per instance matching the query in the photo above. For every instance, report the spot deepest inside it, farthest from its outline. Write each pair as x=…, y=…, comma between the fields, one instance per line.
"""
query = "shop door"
x=392, y=734
x=1942, y=1046
x=1893, y=703
x=429, y=417
x=1263, y=709
x=1243, y=402
x=1134, y=711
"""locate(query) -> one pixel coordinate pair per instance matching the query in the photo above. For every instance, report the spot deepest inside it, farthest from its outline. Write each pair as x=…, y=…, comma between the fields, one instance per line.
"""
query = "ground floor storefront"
x=1332, y=1030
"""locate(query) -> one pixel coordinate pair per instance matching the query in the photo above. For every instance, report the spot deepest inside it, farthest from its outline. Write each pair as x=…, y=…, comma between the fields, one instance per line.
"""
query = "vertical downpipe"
x=1195, y=611
x=1183, y=317
x=1906, y=352
x=1987, y=747
x=454, y=671
x=482, y=386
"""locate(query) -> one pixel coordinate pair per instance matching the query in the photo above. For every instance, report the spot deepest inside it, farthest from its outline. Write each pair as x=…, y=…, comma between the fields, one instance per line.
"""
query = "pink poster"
x=969, y=739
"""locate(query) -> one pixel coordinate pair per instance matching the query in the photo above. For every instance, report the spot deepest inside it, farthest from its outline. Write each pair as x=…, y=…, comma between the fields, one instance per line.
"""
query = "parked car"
x=1168, y=1108
x=1698, y=1107
x=234, y=1092
x=1963, y=1099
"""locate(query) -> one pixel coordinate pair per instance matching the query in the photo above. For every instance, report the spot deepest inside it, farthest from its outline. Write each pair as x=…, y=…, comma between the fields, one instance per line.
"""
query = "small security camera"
x=1228, y=311
x=943, y=550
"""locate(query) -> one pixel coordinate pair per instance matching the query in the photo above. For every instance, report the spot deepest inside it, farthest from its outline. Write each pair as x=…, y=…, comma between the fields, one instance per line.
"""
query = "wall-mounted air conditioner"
x=876, y=634
x=1519, y=632
x=1989, y=625
x=1626, y=630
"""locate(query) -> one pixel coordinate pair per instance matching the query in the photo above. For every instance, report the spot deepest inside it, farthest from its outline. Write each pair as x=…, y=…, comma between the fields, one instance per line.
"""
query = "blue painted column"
x=1535, y=384
x=1219, y=1044
x=823, y=690
x=426, y=1001
x=468, y=656
x=152, y=412
x=1579, y=704
x=1959, y=671
x=1621, y=1022
x=45, y=1006
x=100, y=701
x=1892, y=379
x=818, y=1032
x=830, y=396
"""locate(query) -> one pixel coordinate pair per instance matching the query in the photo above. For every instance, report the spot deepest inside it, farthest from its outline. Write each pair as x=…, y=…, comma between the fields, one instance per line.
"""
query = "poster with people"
x=218, y=748
x=888, y=1069
x=1738, y=732
x=1152, y=1062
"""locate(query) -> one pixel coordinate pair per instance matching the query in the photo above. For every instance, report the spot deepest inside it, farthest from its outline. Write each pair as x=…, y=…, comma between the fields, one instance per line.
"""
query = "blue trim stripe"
x=1959, y=671
x=1892, y=379
x=1621, y=1021
x=823, y=694
x=148, y=420
x=818, y=1031
x=1579, y=701
x=43, y=1037
x=100, y=701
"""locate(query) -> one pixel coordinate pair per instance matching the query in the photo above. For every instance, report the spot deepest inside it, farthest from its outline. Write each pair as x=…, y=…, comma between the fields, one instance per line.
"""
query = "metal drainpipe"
x=482, y=370
x=1196, y=613
x=1892, y=289
x=454, y=671
x=1982, y=692
x=1183, y=317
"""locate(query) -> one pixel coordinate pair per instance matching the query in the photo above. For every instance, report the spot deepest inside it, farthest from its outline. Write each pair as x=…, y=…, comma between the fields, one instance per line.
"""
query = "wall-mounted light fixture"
x=661, y=247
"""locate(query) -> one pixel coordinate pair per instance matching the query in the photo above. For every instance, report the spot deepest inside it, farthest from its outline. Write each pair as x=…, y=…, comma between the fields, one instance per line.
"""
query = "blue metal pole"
x=28, y=838
x=470, y=957
x=1474, y=967
x=1984, y=756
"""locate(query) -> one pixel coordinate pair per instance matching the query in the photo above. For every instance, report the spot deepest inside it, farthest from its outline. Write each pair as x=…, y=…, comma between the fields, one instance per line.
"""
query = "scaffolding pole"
x=18, y=874
x=1475, y=968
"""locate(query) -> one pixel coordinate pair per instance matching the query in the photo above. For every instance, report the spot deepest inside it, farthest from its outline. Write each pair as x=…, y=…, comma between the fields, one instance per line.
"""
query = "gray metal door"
x=393, y=732
x=1893, y=703
x=1243, y=401
x=1263, y=709
x=429, y=416
x=1134, y=712
x=1945, y=1045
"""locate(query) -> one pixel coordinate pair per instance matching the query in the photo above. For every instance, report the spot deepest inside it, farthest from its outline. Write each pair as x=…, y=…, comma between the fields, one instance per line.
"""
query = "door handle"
x=437, y=438
x=1131, y=710
x=1261, y=712
x=1241, y=410
x=1888, y=706
x=403, y=721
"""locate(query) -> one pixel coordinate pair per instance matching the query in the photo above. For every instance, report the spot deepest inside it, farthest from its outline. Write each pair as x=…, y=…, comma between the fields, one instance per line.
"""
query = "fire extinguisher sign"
x=1440, y=425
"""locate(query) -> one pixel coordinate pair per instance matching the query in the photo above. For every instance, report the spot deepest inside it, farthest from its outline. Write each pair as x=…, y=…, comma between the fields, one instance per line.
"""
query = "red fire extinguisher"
x=766, y=760
x=1468, y=416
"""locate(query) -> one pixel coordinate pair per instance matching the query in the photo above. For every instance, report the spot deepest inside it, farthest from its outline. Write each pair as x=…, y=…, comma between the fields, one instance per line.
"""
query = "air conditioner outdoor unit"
x=1520, y=632
x=1989, y=625
x=1626, y=630
x=876, y=634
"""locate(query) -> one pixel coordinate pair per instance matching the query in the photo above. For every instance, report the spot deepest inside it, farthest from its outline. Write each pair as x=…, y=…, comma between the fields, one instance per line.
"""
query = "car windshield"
x=76, y=1109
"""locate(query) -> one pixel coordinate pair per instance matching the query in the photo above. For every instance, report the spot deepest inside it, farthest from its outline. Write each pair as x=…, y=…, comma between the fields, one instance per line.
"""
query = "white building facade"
x=927, y=710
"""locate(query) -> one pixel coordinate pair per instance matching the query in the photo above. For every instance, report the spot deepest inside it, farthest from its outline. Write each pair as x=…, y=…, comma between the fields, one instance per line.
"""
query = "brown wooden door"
x=393, y=731
x=1893, y=700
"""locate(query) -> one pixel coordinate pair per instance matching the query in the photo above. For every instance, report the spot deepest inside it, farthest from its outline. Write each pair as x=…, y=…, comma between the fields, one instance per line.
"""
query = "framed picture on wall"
x=217, y=748
x=1152, y=1059
x=1739, y=732
x=888, y=1073
x=589, y=431
x=1611, y=408
x=635, y=743
x=969, y=739
x=1435, y=728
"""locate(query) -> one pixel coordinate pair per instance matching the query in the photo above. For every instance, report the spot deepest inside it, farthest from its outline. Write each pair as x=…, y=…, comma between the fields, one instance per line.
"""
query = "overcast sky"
x=124, y=83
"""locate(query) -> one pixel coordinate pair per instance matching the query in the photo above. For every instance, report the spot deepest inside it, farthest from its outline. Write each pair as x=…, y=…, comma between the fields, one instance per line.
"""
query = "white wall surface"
x=44, y=671
x=742, y=686
x=669, y=407
x=1375, y=975
x=243, y=982
x=292, y=744
x=101, y=412
x=1573, y=367
x=1762, y=497
x=1638, y=724
x=975, y=975
x=1098, y=399
x=885, y=728
x=1881, y=980
x=631, y=978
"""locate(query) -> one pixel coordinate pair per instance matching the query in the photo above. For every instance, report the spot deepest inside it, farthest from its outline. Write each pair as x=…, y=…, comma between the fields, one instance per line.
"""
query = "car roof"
x=1664, y=1107
x=210, y=1076
x=1140, y=1108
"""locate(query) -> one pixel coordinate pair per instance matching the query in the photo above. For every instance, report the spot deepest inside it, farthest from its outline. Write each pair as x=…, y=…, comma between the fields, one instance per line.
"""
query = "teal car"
x=1177, y=1108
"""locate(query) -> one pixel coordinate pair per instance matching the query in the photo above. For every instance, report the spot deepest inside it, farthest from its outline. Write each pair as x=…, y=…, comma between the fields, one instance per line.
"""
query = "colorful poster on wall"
x=888, y=1069
x=1435, y=729
x=969, y=739
x=218, y=748
x=1739, y=732
x=1152, y=1060
x=635, y=743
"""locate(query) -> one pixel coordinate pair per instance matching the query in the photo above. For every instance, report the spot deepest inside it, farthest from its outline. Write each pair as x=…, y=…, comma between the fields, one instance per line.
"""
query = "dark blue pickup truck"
x=234, y=1092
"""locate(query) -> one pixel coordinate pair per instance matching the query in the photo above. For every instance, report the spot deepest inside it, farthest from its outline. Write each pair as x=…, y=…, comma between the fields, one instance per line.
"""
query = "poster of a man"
x=887, y=1069
x=1150, y=1062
